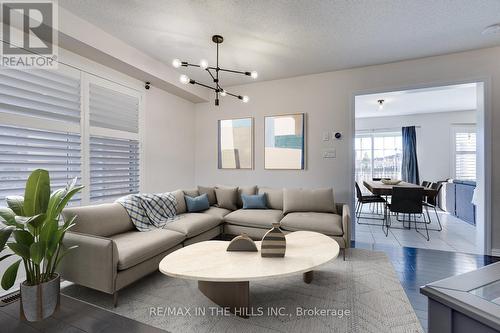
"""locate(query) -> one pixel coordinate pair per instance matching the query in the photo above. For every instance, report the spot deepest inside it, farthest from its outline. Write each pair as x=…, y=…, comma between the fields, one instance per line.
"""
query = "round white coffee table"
x=224, y=276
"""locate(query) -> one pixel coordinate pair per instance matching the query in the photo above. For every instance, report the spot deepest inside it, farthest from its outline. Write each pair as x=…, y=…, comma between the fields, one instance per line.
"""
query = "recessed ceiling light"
x=492, y=29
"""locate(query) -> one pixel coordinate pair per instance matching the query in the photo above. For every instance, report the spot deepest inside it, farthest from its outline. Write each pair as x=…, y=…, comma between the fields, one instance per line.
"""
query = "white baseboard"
x=495, y=252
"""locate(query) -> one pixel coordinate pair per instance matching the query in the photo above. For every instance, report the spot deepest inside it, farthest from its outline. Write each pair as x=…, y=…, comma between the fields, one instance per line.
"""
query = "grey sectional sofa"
x=112, y=254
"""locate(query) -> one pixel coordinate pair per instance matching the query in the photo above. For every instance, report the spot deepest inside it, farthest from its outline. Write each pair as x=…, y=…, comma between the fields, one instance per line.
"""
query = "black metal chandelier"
x=214, y=74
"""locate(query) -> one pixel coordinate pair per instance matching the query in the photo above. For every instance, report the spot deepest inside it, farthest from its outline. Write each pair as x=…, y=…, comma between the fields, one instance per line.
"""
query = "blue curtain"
x=409, y=167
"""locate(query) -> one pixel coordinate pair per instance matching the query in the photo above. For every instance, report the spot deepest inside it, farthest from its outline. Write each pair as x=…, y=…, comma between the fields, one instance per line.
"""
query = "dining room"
x=417, y=169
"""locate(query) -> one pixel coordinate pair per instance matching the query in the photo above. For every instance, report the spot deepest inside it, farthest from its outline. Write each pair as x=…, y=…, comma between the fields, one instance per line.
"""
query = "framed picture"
x=284, y=146
x=235, y=144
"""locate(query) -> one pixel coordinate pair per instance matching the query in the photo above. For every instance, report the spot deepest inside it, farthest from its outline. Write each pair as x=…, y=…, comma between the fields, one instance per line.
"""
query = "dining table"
x=378, y=188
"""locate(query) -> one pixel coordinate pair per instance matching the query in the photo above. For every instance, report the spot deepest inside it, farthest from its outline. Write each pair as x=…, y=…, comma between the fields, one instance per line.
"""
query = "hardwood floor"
x=416, y=267
x=74, y=316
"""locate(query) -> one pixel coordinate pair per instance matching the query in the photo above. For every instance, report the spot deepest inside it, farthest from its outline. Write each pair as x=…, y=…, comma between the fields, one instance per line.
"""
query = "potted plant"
x=34, y=223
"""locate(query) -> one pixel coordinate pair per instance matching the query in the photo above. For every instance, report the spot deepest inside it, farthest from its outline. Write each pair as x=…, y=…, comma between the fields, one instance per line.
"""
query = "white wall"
x=168, y=144
x=327, y=98
x=434, y=144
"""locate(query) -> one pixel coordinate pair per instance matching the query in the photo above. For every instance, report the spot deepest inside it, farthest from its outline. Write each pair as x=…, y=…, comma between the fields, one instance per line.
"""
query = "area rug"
x=361, y=294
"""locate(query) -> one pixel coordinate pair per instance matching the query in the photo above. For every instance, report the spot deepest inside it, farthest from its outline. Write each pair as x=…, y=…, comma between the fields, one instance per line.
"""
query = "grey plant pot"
x=40, y=301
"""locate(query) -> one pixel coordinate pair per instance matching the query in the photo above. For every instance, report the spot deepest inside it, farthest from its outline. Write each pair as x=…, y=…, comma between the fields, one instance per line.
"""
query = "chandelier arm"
x=209, y=72
x=203, y=85
x=187, y=64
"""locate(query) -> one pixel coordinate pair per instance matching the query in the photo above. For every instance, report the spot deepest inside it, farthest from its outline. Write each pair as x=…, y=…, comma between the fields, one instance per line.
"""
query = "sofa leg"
x=115, y=299
x=343, y=253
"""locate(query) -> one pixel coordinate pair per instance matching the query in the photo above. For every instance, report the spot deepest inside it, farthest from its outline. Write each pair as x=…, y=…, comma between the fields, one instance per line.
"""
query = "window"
x=378, y=155
x=22, y=150
x=114, y=141
x=72, y=124
x=114, y=168
x=464, y=143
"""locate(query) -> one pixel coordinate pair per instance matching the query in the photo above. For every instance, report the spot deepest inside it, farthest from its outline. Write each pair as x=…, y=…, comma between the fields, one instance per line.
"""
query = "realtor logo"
x=29, y=34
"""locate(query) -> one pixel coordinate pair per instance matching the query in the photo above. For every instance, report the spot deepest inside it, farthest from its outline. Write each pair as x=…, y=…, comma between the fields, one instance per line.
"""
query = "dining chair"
x=431, y=202
x=406, y=201
x=367, y=199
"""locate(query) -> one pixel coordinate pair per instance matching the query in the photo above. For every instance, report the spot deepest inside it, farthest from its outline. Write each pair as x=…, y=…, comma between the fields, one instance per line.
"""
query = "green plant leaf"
x=20, y=250
x=7, y=216
x=5, y=233
x=37, y=252
x=36, y=221
x=55, y=199
x=23, y=237
x=9, y=276
x=37, y=193
x=16, y=203
x=67, y=197
x=48, y=234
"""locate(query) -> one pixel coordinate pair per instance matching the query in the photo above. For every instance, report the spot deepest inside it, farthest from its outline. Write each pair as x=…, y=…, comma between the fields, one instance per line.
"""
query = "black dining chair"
x=406, y=201
x=426, y=183
x=431, y=202
x=367, y=199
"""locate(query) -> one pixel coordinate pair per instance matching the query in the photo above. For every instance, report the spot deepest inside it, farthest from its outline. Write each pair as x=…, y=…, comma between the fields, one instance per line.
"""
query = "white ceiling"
x=427, y=100
x=281, y=38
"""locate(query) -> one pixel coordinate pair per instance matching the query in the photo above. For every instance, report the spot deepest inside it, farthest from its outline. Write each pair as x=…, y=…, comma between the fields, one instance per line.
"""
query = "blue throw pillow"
x=197, y=204
x=257, y=201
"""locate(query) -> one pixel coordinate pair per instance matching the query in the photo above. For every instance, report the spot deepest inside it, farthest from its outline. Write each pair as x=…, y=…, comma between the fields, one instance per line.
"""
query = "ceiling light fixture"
x=217, y=39
x=381, y=103
x=492, y=29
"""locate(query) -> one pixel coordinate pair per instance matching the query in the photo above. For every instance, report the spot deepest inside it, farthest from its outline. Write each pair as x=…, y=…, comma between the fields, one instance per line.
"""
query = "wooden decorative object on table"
x=273, y=243
x=242, y=243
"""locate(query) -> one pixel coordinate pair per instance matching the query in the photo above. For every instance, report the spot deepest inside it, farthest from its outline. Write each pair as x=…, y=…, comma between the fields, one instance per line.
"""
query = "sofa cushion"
x=193, y=224
x=217, y=212
x=135, y=247
x=100, y=220
x=248, y=190
x=197, y=204
x=256, y=201
x=191, y=192
x=210, y=191
x=257, y=218
x=325, y=223
x=181, y=203
x=305, y=200
x=227, y=197
x=274, y=197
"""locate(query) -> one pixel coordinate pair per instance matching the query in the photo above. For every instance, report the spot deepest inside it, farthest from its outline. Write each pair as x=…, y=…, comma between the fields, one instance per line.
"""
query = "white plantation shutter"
x=23, y=150
x=114, y=168
x=72, y=124
x=41, y=94
x=465, y=154
x=114, y=110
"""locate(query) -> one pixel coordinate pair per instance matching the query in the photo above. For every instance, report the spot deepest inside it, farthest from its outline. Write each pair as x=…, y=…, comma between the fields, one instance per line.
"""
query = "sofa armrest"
x=343, y=209
x=92, y=264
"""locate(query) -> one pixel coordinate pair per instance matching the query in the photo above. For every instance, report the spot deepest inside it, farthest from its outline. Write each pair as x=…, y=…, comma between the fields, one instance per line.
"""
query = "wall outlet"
x=330, y=153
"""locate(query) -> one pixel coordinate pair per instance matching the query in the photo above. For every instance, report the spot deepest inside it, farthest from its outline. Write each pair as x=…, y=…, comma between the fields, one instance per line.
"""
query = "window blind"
x=23, y=150
x=114, y=110
x=465, y=155
x=40, y=94
x=114, y=168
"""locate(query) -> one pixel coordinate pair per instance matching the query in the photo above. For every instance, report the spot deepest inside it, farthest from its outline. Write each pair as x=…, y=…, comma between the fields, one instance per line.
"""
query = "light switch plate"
x=330, y=153
x=326, y=136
